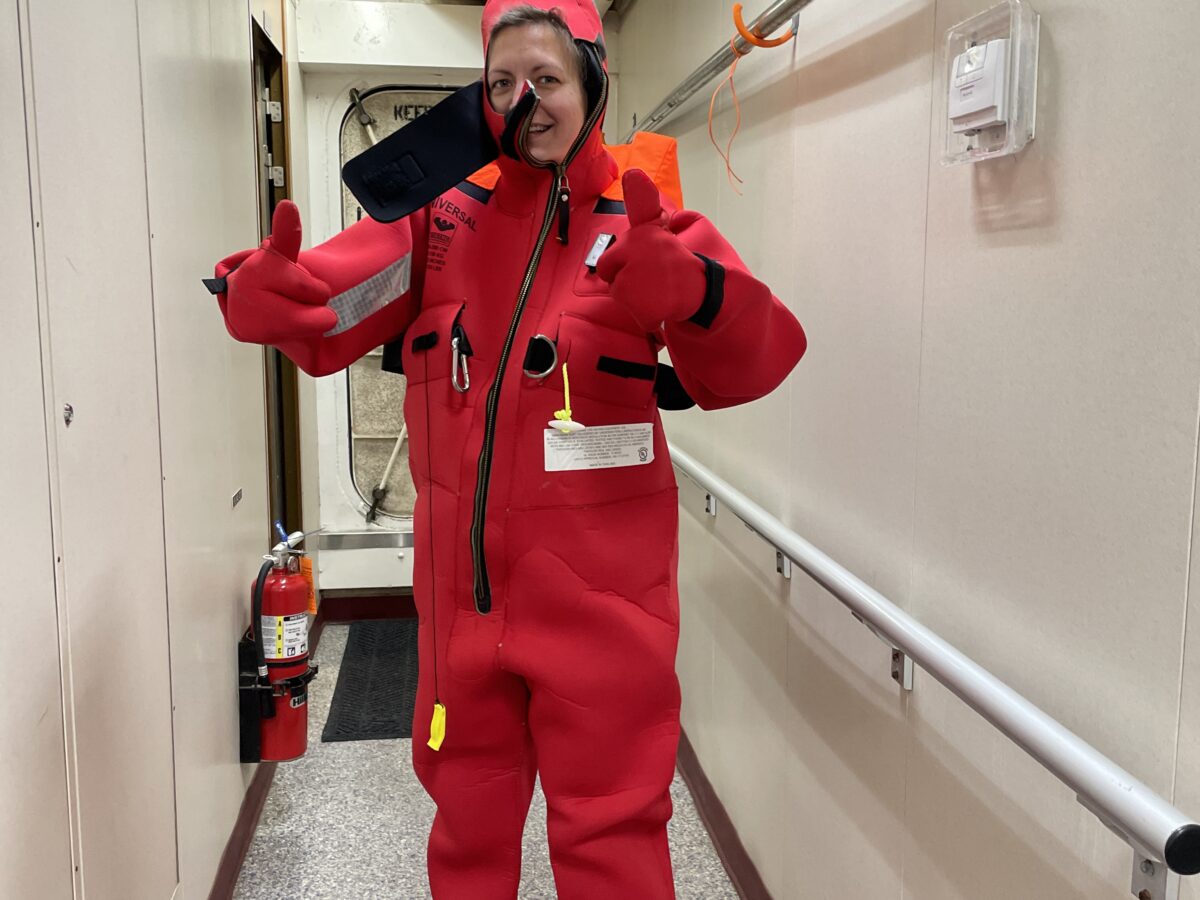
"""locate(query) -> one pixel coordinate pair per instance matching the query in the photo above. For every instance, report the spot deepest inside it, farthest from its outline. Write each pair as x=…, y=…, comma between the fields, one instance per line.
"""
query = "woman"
x=545, y=579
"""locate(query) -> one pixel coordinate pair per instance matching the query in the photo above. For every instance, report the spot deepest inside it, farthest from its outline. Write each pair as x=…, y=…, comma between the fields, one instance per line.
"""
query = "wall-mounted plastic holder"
x=991, y=63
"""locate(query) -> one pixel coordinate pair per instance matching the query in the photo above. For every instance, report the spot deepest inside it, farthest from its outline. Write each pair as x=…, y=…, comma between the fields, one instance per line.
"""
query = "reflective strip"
x=368, y=298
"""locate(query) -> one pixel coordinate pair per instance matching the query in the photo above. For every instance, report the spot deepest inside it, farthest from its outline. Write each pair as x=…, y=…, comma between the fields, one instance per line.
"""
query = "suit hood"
x=583, y=21
x=581, y=17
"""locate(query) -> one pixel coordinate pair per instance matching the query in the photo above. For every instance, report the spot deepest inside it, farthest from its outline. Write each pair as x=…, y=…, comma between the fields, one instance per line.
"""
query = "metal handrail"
x=778, y=13
x=1155, y=829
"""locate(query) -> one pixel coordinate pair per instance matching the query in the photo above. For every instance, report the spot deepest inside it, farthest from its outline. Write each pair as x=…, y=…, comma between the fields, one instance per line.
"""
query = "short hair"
x=522, y=16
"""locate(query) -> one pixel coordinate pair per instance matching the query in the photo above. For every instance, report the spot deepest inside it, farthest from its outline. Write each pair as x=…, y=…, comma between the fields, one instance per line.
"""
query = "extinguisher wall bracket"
x=254, y=700
x=297, y=684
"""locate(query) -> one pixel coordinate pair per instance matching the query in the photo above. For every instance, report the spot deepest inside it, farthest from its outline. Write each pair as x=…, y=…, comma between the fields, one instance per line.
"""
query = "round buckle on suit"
x=541, y=357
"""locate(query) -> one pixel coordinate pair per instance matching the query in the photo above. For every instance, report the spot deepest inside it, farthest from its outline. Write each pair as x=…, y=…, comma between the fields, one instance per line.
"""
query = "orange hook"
x=754, y=37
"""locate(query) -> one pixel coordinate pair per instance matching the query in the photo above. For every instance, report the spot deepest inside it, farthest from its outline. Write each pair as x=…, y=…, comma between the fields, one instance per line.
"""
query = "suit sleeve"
x=374, y=271
x=742, y=341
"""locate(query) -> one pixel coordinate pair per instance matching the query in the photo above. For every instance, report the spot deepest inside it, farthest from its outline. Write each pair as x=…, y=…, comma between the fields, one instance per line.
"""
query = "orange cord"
x=755, y=37
x=727, y=153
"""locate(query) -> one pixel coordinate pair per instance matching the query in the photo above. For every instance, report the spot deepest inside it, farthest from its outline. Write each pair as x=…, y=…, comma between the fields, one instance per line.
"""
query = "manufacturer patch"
x=600, y=447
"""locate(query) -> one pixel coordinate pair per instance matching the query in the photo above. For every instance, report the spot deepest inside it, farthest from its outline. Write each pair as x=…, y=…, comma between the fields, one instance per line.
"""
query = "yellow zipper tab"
x=437, y=728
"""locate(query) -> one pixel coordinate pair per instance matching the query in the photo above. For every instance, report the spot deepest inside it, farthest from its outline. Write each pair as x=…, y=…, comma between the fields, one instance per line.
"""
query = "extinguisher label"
x=306, y=571
x=285, y=637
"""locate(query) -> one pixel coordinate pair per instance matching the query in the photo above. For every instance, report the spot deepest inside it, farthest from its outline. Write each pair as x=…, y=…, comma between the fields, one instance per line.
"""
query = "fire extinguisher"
x=275, y=693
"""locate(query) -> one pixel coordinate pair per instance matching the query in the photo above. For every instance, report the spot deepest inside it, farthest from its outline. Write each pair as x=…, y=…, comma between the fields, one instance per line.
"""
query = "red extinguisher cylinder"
x=284, y=629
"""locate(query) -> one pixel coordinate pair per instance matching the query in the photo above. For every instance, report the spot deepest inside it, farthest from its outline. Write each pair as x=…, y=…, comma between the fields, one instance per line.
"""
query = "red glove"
x=268, y=298
x=650, y=270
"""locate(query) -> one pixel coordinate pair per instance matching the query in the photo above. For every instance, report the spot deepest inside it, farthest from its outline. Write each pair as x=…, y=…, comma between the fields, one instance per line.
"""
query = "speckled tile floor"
x=349, y=821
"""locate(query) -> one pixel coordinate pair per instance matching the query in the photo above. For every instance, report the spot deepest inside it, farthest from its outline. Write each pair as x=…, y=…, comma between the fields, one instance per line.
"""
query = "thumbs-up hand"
x=269, y=298
x=649, y=269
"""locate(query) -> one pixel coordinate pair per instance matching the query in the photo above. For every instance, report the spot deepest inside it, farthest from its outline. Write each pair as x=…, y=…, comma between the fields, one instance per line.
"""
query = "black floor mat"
x=377, y=683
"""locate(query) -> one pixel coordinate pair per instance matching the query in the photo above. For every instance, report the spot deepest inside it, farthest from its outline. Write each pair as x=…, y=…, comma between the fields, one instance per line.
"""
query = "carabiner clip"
x=458, y=360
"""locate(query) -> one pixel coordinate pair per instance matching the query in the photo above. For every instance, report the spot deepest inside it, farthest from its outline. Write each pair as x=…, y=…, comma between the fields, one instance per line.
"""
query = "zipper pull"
x=564, y=210
x=437, y=727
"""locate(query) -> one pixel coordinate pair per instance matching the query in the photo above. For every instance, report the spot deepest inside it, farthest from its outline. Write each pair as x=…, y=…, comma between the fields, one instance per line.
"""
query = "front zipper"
x=556, y=203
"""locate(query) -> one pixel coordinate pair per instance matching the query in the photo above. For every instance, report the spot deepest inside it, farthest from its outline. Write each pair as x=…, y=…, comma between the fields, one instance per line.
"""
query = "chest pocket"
x=438, y=416
x=606, y=364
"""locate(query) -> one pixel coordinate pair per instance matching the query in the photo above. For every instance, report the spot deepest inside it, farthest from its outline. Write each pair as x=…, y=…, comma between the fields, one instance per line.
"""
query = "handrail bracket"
x=783, y=564
x=902, y=664
x=902, y=669
x=1152, y=880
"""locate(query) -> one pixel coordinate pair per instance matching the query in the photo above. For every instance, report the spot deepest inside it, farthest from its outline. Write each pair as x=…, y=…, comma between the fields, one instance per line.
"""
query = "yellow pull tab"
x=437, y=728
x=564, y=414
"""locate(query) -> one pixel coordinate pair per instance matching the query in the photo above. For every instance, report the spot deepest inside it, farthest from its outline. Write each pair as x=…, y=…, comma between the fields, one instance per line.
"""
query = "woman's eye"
x=500, y=84
x=548, y=79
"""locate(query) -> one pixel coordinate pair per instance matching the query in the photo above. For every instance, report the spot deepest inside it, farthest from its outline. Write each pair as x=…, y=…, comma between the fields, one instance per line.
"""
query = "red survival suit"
x=547, y=598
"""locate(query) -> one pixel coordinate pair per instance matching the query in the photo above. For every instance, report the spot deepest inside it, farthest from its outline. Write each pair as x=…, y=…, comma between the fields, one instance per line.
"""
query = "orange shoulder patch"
x=486, y=177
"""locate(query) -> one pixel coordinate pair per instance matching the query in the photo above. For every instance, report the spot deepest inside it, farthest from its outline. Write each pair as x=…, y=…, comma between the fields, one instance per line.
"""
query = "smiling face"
x=539, y=54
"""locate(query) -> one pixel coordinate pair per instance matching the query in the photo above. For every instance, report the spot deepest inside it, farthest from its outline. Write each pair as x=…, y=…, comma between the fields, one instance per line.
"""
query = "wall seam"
x=137, y=20
x=1187, y=591
x=54, y=487
x=912, y=546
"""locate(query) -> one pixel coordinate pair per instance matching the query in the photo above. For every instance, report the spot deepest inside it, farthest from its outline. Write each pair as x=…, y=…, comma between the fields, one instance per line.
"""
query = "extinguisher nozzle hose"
x=256, y=618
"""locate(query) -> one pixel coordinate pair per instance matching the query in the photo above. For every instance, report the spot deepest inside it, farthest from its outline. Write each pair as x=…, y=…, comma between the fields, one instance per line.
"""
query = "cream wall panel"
x=986, y=822
x=856, y=284
x=1058, y=431
x=196, y=81
x=694, y=662
x=1057, y=449
x=610, y=130
x=662, y=41
x=862, y=73
x=35, y=834
x=746, y=755
x=96, y=247
x=612, y=118
x=843, y=778
x=1058, y=396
